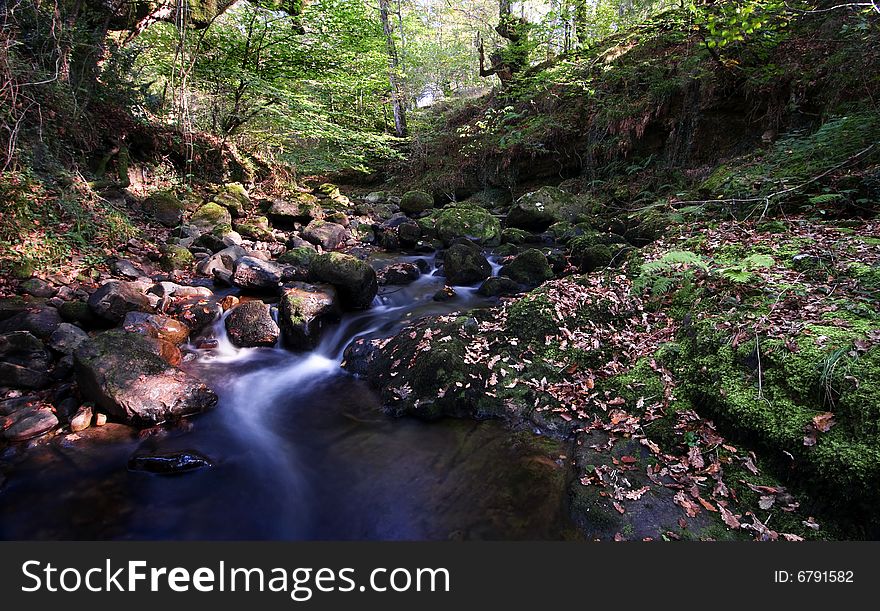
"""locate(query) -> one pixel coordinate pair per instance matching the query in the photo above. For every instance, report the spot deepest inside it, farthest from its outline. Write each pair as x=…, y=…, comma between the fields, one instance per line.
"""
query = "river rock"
x=399, y=274
x=409, y=233
x=302, y=209
x=156, y=325
x=210, y=217
x=473, y=223
x=165, y=208
x=125, y=377
x=253, y=273
x=127, y=269
x=354, y=279
x=537, y=210
x=113, y=300
x=38, y=320
x=170, y=289
x=529, y=268
x=196, y=312
x=223, y=260
x=499, y=286
x=28, y=422
x=24, y=361
x=250, y=325
x=82, y=419
x=234, y=197
x=37, y=287
x=416, y=202
x=328, y=236
x=465, y=265
x=305, y=309
x=67, y=338
x=169, y=463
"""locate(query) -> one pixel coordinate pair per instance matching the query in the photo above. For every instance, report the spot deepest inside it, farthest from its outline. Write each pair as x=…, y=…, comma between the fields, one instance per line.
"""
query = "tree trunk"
x=397, y=96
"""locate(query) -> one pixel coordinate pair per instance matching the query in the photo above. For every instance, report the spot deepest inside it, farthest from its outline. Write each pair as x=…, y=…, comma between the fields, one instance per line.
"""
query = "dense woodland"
x=666, y=210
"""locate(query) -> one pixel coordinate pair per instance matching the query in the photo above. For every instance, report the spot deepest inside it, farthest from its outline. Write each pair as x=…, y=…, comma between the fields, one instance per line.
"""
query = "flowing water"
x=301, y=450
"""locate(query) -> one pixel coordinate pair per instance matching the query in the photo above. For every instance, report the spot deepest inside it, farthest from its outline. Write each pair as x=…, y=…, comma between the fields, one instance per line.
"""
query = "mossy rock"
x=176, y=258
x=772, y=402
x=234, y=197
x=465, y=265
x=165, y=208
x=416, y=202
x=210, y=216
x=354, y=279
x=476, y=224
x=301, y=256
x=589, y=256
x=538, y=210
x=529, y=268
x=512, y=235
x=257, y=228
x=532, y=318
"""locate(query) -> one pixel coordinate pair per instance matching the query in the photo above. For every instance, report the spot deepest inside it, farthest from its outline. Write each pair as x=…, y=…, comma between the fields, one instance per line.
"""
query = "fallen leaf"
x=729, y=518
x=766, y=502
x=824, y=422
x=628, y=460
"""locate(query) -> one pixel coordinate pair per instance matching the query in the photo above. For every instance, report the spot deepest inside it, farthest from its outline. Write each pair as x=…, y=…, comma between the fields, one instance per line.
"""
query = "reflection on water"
x=301, y=451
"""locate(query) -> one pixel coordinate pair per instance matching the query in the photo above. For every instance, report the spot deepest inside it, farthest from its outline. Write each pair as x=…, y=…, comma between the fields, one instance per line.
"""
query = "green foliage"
x=674, y=267
x=743, y=271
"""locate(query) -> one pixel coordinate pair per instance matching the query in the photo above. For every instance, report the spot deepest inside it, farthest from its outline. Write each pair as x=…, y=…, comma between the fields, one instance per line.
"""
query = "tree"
x=515, y=56
x=398, y=97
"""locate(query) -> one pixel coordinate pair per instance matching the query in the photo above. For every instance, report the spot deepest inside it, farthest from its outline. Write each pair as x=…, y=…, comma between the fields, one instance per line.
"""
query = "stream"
x=301, y=450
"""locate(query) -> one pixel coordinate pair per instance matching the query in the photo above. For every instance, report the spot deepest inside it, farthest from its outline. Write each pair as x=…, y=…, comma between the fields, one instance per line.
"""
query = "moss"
x=589, y=256
x=512, y=235
x=473, y=223
x=234, y=198
x=415, y=202
x=176, y=257
x=532, y=318
x=257, y=228
x=300, y=256
x=529, y=267
x=211, y=215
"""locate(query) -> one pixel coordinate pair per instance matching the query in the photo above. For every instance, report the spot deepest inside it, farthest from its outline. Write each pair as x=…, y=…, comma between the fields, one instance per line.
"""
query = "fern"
x=825, y=198
x=664, y=274
x=741, y=273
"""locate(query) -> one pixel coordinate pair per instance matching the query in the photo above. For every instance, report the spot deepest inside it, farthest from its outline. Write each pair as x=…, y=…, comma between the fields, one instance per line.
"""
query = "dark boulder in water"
x=169, y=463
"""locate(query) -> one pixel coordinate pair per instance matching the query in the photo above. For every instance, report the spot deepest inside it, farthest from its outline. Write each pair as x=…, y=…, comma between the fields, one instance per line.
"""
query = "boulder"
x=125, y=377
x=113, y=300
x=250, y=325
x=169, y=463
x=176, y=258
x=157, y=326
x=300, y=256
x=172, y=289
x=476, y=224
x=211, y=216
x=196, y=312
x=223, y=260
x=80, y=313
x=253, y=273
x=302, y=209
x=234, y=197
x=465, y=265
x=529, y=268
x=499, y=286
x=37, y=287
x=305, y=309
x=354, y=279
x=416, y=202
x=399, y=274
x=409, y=233
x=537, y=210
x=24, y=361
x=39, y=320
x=127, y=269
x=328, y=236
x=256, y=228
x=28, y=422
x=67, y=338
x=165, y=208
